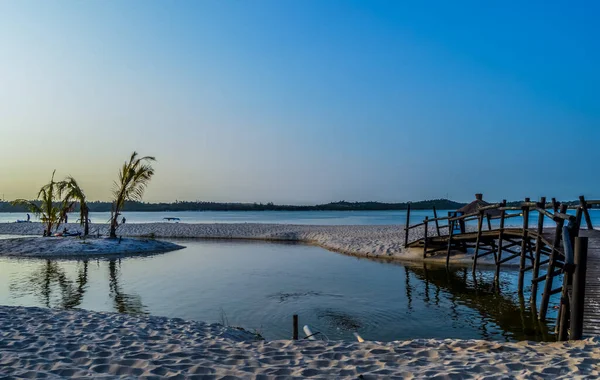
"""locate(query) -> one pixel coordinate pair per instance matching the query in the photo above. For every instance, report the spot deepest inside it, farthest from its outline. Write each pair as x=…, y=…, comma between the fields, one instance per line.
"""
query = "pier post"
x=538, y=251
x=437, y=225
x=451, y=228
x=295, y=327
x=406, y=226
x=564, y=311
x=586, y=213
x=551, y=265
x=426, y=221
x=479, y=230
x=500, y=233
x=578, y=293
x=524, y=237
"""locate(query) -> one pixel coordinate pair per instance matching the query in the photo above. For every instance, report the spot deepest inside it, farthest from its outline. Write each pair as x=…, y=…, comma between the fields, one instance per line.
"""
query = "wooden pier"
x=564, y=259
x=591, y=315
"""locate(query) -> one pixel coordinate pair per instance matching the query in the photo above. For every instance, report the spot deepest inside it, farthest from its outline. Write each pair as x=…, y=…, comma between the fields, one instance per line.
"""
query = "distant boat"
x=171, y=218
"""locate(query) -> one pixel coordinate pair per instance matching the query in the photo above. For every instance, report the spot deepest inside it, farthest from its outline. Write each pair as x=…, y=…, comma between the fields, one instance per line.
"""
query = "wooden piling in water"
x=579, y=282
x=500, y=241
x=450, y=234
x=295, y=327
x=538, y=251
x=550, y=273
x=407, y=225
x=479, y=230
x=437, y=225
x=426, y=221
x=525, y=210
x=564, y=311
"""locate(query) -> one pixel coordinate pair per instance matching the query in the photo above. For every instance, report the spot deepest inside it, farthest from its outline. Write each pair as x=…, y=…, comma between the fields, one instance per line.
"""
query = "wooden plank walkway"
x=516, y=233
x=591, y=316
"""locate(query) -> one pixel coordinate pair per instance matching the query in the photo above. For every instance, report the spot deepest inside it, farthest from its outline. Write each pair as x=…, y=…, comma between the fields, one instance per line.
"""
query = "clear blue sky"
x=304, y=101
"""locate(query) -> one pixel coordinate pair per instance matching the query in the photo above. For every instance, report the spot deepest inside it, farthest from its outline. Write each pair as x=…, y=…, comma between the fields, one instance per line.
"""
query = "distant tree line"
x=98, y=206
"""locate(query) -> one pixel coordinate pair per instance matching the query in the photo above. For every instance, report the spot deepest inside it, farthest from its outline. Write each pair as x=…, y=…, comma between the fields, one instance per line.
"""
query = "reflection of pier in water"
x=511, y=314
x=51, y=285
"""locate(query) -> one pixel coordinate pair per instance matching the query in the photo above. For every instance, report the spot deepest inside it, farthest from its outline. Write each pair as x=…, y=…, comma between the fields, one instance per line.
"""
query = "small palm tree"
x=50, y=214
x=73, y=193
x=134, y=177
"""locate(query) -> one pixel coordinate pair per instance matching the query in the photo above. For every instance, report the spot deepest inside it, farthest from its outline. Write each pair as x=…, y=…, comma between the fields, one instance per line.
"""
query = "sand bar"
x=75, y=246
x=379, y=241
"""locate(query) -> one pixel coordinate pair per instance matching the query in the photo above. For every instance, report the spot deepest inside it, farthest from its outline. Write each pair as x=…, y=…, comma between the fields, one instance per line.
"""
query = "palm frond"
x=134, y=177
x=32, y=207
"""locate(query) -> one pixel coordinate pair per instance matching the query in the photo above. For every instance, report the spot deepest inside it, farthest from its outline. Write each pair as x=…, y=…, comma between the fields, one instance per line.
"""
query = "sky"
x=303, y=101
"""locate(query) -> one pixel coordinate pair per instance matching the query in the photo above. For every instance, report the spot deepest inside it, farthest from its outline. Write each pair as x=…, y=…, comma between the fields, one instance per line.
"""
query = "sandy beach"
x=378, y=241
x=52, y=343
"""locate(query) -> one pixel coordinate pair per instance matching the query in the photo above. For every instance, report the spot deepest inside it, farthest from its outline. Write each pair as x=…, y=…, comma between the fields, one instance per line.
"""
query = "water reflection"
x=504, y=309
x=123, y=302
x=52, y=287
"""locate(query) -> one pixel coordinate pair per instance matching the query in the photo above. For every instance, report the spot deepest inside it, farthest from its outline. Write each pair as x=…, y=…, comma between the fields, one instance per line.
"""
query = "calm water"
x=261, y=285
x=288, y=217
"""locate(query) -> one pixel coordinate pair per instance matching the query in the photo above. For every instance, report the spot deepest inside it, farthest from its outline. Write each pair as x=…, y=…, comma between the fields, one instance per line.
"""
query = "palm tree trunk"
x=113, y=228
x=86, y=224
x=113, y=222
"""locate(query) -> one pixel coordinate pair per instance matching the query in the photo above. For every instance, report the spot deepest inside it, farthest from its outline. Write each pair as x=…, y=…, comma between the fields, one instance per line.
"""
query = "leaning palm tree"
x=49, y=213
x=134, y=176
x=71, y=193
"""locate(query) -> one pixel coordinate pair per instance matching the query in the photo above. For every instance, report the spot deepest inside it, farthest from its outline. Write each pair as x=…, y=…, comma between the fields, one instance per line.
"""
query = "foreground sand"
x=41, y=342
x=380, y=241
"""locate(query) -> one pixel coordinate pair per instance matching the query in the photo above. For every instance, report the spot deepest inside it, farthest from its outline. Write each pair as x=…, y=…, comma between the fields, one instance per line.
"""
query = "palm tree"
x=73, y=193
x=134, y=176
x=47, y=211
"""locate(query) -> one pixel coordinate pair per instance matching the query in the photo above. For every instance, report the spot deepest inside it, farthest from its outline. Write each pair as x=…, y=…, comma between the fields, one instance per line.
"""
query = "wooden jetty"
x=556, y=256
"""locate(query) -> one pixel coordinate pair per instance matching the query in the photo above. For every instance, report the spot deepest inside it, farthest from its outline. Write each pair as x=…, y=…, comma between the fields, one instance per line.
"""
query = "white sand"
x=74, y=246
x=380, y=241
x=42, y=342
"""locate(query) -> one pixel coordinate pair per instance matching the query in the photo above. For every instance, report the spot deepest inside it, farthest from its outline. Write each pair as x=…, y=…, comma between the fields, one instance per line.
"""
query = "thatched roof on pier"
x=476, y=204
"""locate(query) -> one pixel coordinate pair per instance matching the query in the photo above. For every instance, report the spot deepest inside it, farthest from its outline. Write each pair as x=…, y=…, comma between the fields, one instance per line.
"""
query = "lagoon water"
x=287, y=217
x=259, y=286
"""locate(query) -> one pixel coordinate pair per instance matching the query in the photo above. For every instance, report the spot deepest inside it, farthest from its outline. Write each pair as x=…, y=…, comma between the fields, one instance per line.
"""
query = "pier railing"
x=551, y=253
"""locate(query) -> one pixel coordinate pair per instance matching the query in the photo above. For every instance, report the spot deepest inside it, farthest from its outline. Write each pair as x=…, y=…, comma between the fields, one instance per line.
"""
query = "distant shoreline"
x=97, y=206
